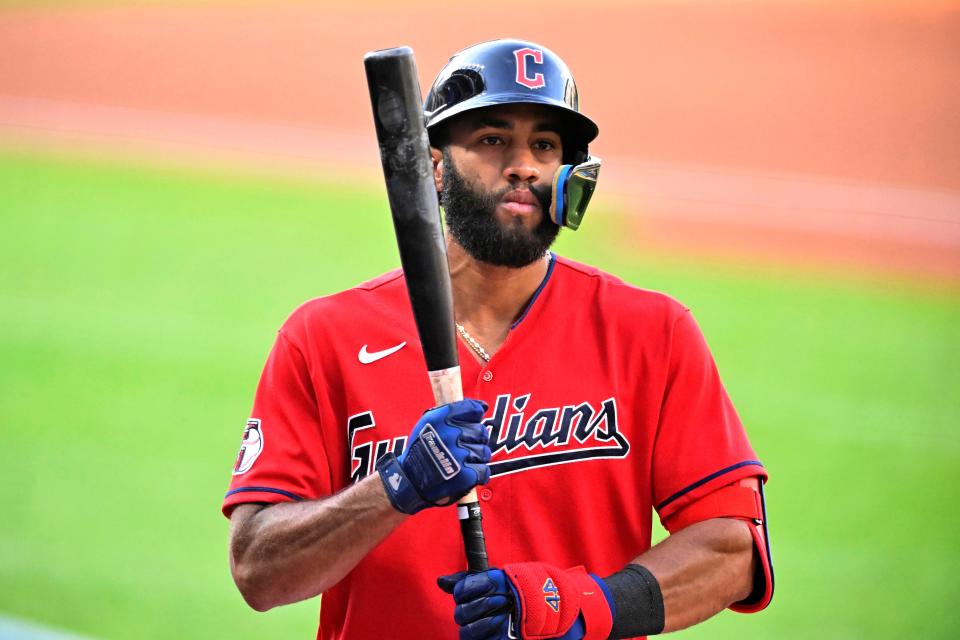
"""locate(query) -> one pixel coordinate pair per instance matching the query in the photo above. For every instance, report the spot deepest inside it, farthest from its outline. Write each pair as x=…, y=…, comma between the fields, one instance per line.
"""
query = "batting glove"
x=445, y=457
x=530, y=600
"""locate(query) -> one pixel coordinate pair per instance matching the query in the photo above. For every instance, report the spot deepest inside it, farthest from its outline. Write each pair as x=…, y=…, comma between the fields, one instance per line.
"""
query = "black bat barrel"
x=408, y=171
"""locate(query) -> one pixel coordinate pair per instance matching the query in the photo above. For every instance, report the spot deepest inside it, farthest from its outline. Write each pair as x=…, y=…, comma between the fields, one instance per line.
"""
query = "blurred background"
x=175, y=177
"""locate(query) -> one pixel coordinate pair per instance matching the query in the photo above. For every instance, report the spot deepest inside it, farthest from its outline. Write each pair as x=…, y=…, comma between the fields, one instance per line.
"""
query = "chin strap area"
x=573, y=186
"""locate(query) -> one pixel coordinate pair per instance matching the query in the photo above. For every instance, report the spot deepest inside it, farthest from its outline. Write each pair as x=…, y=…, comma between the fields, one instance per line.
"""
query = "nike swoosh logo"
x=366, y=357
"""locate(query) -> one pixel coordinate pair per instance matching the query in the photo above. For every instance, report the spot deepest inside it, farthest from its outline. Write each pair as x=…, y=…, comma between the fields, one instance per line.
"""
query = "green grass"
x=138, y=305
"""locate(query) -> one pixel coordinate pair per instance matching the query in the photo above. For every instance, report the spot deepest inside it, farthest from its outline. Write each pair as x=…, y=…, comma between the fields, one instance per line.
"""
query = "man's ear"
x=437, y=157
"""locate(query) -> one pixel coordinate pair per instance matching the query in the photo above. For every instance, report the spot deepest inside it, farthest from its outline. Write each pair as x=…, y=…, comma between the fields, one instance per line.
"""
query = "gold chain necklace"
x=472, y=343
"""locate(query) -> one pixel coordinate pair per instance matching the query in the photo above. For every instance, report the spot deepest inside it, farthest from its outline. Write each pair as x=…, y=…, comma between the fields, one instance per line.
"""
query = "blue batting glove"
x=486, y=604
x=446, y=456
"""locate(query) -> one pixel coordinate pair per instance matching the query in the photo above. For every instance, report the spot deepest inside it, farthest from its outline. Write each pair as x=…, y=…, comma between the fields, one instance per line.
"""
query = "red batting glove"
x=550, y=601
x=530, y=600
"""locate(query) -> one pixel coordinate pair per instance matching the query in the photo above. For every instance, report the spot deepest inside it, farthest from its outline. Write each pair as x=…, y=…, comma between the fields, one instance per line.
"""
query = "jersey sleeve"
x=282, y=455
x=700, y=444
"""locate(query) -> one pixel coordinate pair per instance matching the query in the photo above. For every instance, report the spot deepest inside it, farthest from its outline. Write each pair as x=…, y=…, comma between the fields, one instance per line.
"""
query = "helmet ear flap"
x=462, y=85
x=573, y=186
x=558, y=201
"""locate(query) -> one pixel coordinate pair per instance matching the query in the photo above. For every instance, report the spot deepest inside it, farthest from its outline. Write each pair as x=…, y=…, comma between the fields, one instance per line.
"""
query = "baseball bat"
x=408, y=172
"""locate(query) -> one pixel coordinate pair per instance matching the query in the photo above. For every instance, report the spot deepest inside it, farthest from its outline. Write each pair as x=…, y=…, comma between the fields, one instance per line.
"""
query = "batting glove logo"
x=551, y=595
x=441, y=456
x=250, y=448
x=395, y=481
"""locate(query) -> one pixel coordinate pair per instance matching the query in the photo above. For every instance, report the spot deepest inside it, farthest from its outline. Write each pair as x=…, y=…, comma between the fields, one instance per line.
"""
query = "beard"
x=471, y=219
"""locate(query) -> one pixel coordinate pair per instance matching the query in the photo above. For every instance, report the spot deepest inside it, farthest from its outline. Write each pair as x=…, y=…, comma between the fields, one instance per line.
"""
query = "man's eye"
x=544, y=145
x=491, y=140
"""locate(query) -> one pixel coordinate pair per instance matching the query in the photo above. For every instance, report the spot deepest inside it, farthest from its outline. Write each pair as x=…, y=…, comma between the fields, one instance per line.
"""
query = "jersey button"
x=485, y=494
x=487, y=375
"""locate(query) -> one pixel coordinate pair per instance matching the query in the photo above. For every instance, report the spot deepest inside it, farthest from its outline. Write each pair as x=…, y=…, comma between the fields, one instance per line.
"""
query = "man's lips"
x=520, y=201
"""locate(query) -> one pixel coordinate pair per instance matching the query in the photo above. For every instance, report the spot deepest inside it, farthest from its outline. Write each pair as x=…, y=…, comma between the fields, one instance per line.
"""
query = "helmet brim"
x=584, y=130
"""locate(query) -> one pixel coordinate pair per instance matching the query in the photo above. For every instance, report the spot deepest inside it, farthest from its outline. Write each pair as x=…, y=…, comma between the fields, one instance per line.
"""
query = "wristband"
x=638, y=602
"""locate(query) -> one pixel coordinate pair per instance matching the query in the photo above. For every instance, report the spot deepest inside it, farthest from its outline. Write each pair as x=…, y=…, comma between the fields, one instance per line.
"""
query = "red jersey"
x=605, y=404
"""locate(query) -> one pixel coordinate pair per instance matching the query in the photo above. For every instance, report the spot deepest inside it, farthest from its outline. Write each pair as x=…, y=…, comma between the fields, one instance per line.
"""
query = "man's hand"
x=445, y=457
x=530, y=600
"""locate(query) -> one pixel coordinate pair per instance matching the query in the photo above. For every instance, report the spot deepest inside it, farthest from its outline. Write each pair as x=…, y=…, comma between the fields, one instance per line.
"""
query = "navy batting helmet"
x=509, y=72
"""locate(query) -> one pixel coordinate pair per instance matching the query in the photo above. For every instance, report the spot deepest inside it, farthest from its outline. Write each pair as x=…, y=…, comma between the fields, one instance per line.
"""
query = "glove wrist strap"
x=551, y=601
x=403, y=496
x=596, y=607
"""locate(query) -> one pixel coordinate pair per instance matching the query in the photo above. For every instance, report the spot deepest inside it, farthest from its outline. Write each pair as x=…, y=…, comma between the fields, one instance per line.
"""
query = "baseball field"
x=140, y=293
x=139, y=303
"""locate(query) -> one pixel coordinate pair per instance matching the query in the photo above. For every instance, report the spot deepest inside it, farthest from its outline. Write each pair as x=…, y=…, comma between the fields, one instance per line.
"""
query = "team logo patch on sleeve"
x=250, y=448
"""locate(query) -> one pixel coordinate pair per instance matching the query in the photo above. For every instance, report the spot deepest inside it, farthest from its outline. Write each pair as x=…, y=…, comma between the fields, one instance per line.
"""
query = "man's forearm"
x=288, y=552
x=701, y=570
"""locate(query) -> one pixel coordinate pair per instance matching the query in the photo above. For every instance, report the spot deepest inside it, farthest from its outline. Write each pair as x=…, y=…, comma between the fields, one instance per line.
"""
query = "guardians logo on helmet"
x=536, y=55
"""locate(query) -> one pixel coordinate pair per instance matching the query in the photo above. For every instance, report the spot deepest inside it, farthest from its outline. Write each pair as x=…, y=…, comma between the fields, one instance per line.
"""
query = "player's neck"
x=488, y=299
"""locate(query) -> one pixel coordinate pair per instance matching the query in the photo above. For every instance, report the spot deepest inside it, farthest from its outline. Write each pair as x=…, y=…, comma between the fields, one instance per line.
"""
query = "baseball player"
x=593, y=403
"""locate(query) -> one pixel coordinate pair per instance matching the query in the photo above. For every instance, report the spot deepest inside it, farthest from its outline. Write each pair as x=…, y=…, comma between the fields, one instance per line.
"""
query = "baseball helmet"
x=509, y=72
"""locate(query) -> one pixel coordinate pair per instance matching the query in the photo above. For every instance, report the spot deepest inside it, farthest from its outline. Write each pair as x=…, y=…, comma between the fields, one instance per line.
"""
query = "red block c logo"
x=535, y=81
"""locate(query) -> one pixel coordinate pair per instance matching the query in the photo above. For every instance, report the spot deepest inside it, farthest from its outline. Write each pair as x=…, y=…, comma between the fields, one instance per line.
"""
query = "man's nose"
x=521, y=166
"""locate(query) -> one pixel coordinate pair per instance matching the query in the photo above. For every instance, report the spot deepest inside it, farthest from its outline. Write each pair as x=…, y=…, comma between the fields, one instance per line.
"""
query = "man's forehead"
x=509, y=116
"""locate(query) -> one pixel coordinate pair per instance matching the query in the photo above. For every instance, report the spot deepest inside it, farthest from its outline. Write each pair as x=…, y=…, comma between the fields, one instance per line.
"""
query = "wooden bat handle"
x=446, y=384
x=448, y=387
